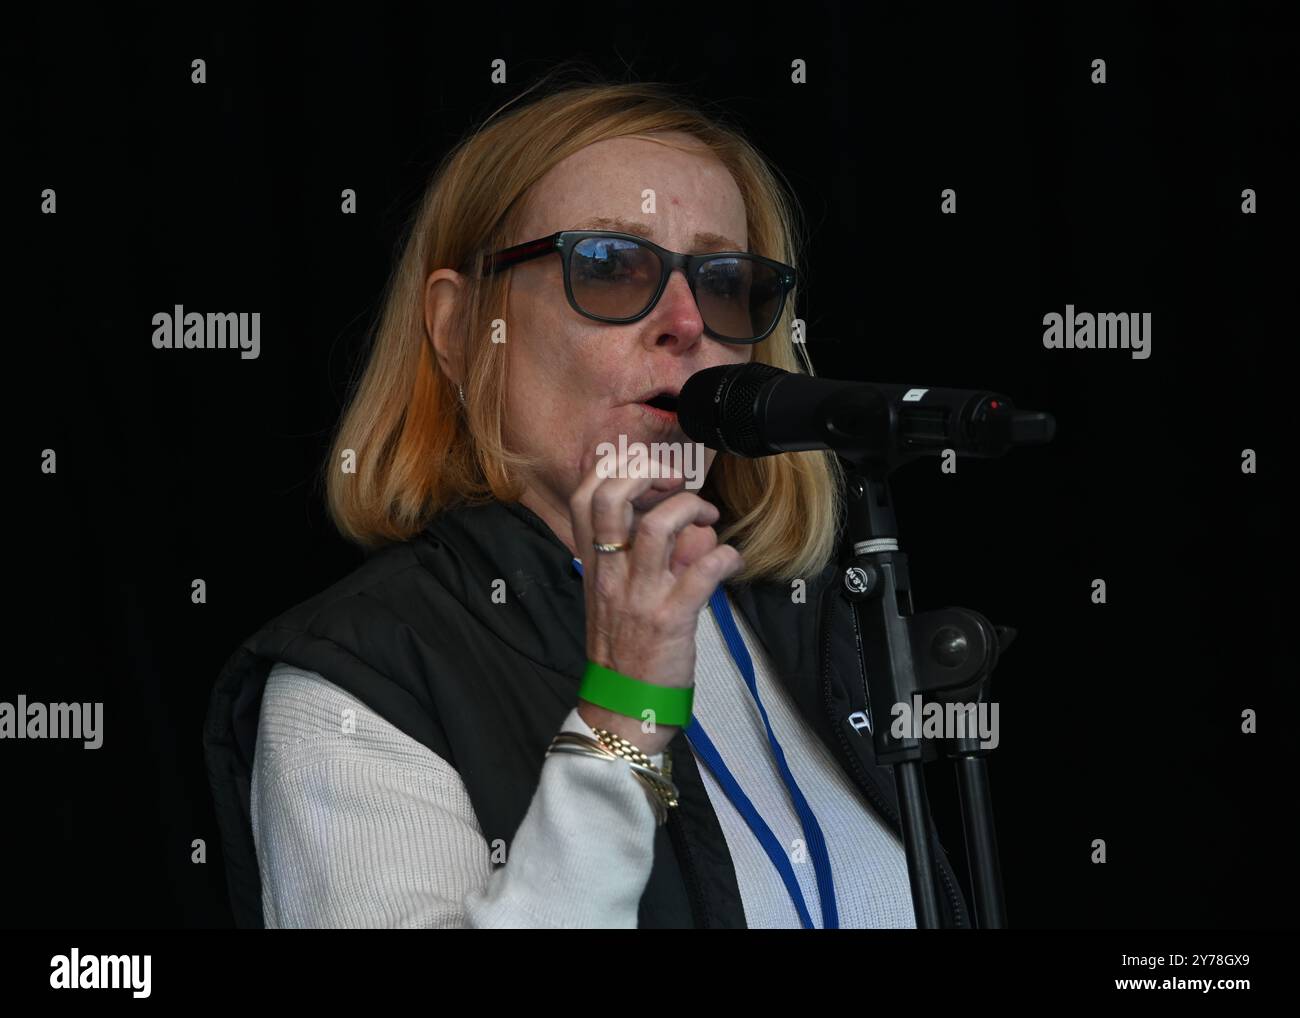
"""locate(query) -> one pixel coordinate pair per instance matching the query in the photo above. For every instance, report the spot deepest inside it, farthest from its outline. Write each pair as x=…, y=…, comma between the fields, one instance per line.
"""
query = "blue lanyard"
x=707, y=752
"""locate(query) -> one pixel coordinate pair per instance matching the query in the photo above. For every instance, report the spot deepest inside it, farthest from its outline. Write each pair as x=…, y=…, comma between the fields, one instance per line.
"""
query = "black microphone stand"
x=946, y=656
x=942, y=657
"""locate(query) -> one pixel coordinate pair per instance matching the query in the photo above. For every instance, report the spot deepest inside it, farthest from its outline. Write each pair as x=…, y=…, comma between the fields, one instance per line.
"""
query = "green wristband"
x=631, y=697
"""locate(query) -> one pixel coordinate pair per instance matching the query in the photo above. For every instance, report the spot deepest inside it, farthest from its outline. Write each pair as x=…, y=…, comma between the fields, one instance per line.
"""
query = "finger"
x=696, y=585
x=692, y=543
x=595, y=471
x=611, y=507
x=603, y=470
x=658, y=531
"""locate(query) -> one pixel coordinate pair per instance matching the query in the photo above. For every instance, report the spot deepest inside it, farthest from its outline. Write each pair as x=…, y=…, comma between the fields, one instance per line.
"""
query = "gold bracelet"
x=660, y=790
x=637, y=757
x=663, y=793
x=620, y=746
x=584, y=745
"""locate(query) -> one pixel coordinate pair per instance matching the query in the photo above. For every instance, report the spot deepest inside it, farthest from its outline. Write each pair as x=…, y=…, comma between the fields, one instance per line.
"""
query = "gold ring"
x=623, y=546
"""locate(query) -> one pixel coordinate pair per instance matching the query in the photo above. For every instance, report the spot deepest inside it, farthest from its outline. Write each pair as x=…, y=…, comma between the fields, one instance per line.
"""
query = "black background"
x=1119, y=721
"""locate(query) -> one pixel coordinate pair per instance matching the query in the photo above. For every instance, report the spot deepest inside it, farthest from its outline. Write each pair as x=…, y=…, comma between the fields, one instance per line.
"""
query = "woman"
x=552, y=697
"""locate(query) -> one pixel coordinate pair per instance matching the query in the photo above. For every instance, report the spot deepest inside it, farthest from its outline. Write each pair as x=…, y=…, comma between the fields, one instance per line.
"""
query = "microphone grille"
x=718, y=406
x=738, y=422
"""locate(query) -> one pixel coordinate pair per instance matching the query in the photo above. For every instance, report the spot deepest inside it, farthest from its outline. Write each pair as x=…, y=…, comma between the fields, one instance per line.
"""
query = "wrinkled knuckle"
x=654, y=526
x=604, y=498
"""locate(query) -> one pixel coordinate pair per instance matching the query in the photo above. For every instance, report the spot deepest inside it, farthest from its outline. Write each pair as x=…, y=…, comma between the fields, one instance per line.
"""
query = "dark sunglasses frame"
x=566, y=241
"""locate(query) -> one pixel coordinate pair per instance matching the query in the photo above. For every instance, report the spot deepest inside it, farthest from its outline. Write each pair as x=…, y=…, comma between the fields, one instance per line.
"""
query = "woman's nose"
x=677, y=314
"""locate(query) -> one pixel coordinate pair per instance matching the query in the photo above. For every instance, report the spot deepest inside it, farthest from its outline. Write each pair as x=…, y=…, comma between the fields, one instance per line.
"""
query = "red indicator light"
x=993, y=404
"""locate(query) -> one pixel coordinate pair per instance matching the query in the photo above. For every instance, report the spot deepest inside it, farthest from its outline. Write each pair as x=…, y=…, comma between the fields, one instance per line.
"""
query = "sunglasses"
x=619, y=278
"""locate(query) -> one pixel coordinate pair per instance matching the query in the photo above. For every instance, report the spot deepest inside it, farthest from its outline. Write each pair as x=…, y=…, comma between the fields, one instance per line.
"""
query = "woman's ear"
x=442, y=293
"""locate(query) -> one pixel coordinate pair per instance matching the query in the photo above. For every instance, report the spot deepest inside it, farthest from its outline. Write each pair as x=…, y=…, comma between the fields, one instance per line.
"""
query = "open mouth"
x=663, y=402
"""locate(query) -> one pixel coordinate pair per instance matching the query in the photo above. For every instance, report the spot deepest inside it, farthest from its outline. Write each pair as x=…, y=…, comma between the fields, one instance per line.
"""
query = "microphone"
x=756, y=409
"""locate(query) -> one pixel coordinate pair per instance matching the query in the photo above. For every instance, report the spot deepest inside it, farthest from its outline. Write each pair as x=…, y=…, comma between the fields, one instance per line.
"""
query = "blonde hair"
x=417, y=451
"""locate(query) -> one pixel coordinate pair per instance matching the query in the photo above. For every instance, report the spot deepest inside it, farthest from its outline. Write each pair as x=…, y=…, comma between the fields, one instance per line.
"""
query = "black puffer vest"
x=415, y=634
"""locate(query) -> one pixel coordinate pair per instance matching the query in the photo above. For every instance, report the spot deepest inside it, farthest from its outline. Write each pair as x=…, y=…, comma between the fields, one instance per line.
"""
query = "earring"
x=461, y=389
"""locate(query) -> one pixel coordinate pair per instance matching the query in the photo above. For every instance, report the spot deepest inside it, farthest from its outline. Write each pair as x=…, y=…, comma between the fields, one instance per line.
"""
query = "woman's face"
x=574, y=383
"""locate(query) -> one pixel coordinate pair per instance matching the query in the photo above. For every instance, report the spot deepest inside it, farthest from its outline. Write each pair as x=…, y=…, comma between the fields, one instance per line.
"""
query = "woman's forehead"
x=672, y=195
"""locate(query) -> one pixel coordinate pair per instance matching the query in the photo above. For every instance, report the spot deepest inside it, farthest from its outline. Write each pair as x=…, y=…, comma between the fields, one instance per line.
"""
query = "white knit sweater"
x=357, y=824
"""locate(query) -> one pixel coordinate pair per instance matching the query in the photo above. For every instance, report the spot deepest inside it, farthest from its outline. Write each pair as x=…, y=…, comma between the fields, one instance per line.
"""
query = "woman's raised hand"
x=643, y=603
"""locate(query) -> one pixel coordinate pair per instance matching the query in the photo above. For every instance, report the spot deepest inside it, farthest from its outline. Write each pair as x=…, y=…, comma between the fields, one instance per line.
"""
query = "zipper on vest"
x=855, y=766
